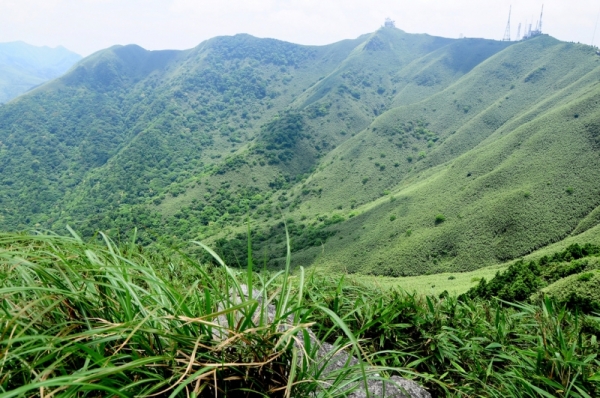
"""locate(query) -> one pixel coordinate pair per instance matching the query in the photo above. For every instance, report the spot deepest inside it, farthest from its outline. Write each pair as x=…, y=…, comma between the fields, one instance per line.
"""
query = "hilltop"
x=390, y=154
x=23, y=66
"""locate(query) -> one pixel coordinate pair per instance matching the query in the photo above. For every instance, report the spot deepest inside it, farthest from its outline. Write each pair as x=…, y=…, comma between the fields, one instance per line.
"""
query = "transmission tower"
x=519, y=32
x=507, y=31
x=541, y=15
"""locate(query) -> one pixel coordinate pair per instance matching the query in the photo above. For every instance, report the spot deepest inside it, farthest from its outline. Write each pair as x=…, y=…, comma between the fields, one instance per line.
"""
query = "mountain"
x=23, y=66
x=392, y=153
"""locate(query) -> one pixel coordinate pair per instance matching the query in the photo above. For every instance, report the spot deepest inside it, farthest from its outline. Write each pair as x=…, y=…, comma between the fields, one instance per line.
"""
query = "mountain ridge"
x=403, y=144
x=23, y=67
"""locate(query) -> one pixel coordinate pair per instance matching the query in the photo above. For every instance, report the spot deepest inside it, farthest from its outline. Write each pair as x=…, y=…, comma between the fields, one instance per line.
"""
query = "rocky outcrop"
x=336, y=360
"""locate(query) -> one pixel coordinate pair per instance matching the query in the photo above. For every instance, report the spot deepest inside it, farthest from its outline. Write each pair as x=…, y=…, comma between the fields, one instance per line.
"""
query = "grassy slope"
x=387, y=131
x=356, y=100
x=463, y=281
x=362, y=87
x=455, y=283
x=506, y=197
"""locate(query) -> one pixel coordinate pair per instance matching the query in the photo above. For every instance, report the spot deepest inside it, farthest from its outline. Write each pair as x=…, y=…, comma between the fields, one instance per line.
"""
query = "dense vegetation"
x=23, y=66
x=94, y=318
x=576, y=265
x=437, y=155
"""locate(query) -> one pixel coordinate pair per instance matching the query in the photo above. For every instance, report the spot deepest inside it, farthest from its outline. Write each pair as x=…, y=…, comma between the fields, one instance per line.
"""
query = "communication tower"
x=519, y=32
x=538, y=27
x=507, y=30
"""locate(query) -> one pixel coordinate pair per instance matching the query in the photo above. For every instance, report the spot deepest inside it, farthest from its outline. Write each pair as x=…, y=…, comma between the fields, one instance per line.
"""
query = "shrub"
x=440, y=218
x=586, y=277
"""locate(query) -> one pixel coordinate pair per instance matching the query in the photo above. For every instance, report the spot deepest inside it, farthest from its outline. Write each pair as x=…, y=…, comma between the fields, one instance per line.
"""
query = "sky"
x=86, y=26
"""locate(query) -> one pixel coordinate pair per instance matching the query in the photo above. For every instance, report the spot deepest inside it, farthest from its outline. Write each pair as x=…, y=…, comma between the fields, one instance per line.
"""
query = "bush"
x=585, y=277
x=521, y=282
x=440, y=218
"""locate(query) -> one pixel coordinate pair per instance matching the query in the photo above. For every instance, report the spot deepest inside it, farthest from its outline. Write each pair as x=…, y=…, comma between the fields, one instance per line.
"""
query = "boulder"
x=335, y=359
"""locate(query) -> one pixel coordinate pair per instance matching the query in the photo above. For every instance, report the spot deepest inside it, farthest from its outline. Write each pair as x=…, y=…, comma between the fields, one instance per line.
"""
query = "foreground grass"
x=486, y=348
x=88, y=319
x=82, y=319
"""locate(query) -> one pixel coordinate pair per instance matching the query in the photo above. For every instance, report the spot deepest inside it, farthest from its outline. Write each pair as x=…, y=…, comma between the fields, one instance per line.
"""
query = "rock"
x=390, y=389
x=395, y=387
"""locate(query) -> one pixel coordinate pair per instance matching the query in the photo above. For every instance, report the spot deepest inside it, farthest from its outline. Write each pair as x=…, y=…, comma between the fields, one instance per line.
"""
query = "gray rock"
x=334, y=360
x=395, y=387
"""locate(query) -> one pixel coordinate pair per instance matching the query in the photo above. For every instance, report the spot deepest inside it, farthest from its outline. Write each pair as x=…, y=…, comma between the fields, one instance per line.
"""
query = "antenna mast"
x=507, y=31
x=519, y=32
x=541, y=15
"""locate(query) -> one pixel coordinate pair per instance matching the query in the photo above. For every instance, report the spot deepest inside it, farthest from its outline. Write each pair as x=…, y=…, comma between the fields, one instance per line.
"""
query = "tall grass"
x=82, y=319
x=474, y=348
x=89, y=319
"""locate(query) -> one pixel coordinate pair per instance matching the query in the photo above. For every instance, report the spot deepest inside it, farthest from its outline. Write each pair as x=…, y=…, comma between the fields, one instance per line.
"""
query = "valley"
x=390, y=154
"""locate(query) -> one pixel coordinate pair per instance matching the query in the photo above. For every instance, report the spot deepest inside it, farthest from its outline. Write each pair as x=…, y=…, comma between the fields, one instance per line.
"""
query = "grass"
x=454, y=283
x=511, y=168
x=89, y=319
x=498, y=173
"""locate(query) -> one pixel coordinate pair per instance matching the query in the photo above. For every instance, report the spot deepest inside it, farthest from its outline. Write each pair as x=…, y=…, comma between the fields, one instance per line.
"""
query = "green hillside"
x=390, y=154
x=23, y=66
x=507, y=178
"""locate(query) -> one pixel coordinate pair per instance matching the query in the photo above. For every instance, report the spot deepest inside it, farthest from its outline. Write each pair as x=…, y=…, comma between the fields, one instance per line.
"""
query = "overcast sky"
x=85, y=26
